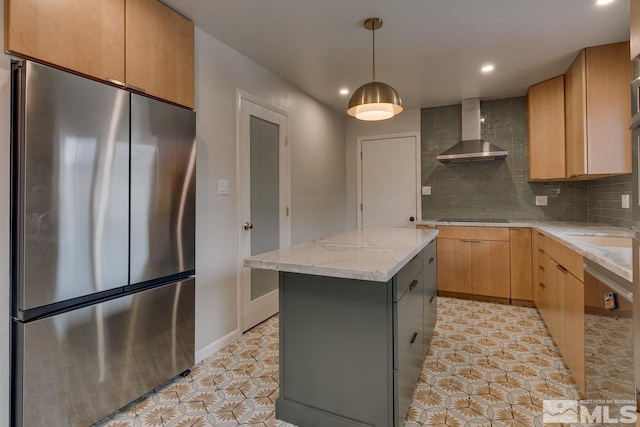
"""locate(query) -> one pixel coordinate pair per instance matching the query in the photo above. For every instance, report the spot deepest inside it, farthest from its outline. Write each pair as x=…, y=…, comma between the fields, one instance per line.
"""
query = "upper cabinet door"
x=84, y=36
x=160, y=51
x=597, y=112
x=609, y=74
x=546, y=130
x=575, y=82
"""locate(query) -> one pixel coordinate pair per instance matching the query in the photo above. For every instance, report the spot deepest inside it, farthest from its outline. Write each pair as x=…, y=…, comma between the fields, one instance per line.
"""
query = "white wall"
x=5, y=93
x=407, y=121
x=318, y=177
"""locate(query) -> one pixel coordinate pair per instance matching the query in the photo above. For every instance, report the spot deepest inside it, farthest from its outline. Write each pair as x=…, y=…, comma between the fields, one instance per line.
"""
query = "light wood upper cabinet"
x=597, y=103
x=83, y=36
x=88, y=37
x=160, y=51
x=635, y=29
x=545, y=102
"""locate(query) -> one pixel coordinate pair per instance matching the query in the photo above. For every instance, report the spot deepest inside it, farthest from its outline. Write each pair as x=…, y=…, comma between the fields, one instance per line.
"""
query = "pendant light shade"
x=375, y=100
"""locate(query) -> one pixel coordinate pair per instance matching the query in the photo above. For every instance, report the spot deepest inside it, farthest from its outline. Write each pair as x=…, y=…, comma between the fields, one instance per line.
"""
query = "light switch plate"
x=541, y=201
x=223, y=186
x=426, y=190
x=626, y=202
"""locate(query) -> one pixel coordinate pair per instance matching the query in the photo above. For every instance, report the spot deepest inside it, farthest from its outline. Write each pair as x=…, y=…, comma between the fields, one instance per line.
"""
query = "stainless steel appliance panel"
x=635, y=99
x=636, y=302
x=80, y=366
x=72, y=201
x=609, y=350
x=162, y=189
x=635, y=180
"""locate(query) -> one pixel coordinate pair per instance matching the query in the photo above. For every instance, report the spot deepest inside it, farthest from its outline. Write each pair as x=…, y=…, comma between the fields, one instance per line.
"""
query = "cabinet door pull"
x=413, y=285
x=470, y=241
x=116, y=82
x=431, y=260
x=540, y=251
x=541, y=268
x=431, y=299
x=541, y=285
x=561, y=268
x=136, y=88
x=413, y=338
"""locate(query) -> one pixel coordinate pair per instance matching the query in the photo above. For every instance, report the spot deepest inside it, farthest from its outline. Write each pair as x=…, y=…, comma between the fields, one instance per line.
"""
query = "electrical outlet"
x=541, y=201
x=626, y=202
x=426, y=190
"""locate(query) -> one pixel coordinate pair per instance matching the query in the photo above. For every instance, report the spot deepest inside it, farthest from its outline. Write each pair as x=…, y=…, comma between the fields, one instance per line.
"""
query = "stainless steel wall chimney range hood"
x=472, y=148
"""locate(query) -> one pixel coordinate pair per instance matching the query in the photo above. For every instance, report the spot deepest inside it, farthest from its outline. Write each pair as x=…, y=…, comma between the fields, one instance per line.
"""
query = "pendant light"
x=375, y=100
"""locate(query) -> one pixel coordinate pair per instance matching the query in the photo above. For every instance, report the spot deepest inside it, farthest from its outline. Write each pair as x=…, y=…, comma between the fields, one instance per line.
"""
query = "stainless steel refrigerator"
x=635, y=160
x=103, y=246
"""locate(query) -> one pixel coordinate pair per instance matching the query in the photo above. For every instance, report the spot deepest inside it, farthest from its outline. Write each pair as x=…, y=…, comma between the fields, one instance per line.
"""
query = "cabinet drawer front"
x=406, y=276
x=566, y=258
x=476, y=233
x=541, y=241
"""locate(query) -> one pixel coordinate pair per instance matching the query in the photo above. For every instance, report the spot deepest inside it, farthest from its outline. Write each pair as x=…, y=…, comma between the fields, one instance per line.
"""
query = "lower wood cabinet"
x=559, y=297
x=454, y=265
x=474, y=260
x=520, y=254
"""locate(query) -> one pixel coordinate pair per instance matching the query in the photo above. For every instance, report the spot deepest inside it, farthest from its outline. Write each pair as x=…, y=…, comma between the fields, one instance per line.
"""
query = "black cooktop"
x=473, y=220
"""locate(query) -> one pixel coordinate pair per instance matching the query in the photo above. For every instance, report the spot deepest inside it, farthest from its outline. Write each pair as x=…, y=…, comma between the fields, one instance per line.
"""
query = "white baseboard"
x=217, y=345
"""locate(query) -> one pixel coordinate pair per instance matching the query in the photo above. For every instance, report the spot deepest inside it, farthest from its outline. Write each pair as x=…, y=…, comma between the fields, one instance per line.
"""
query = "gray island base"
x=351, y=347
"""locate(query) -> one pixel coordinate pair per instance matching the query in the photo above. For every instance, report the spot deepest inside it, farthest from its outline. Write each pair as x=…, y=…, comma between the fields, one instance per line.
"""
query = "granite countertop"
x=373, y=254
x=615, y=259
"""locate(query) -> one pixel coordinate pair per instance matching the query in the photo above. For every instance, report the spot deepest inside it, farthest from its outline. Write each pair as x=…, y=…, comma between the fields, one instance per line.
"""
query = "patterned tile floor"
x=488, y=365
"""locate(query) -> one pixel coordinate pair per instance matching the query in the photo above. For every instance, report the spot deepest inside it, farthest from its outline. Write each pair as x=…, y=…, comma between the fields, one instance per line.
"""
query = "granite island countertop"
x=615, y=259
x=371, y=254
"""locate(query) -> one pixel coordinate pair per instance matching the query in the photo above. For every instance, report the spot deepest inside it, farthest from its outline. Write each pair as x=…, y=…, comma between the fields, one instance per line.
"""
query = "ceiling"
x=430, y=51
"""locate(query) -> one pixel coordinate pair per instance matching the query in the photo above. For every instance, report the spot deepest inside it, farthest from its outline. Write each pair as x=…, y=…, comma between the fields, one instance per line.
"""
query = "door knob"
x=411, y=219
x=247, y=225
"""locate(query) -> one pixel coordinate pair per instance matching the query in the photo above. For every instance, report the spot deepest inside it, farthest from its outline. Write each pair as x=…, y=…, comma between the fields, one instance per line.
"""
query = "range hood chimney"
x=472, y=148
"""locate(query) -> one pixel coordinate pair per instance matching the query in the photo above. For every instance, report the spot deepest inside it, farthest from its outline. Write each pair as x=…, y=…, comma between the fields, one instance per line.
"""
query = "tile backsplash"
x=499, y=188
x=605, y=201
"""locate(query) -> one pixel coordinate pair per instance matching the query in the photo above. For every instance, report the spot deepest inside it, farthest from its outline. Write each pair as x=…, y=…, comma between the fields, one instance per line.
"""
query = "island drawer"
x=406, y=277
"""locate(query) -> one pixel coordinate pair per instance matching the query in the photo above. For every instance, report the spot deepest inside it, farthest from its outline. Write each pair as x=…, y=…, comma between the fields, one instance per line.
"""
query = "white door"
x=389, y=183
x=264, y=182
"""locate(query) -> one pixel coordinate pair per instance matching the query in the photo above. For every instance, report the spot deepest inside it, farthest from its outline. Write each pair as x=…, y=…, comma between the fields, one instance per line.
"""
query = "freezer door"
x=75, y=368
x=162, y=189
x=71, y=197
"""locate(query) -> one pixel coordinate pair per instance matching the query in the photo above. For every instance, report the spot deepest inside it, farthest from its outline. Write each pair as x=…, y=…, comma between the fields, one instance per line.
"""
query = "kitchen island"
x=357, y=311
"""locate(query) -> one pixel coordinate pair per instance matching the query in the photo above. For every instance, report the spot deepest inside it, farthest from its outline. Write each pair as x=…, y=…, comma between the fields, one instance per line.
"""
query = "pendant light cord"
x=373, y=29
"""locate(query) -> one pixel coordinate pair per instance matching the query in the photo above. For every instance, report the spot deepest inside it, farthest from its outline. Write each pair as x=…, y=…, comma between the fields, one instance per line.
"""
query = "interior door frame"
x=359, y=142
x=246, y=319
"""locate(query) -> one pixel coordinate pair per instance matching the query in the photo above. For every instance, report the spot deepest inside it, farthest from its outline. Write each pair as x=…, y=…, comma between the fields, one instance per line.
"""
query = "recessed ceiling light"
x=603, y=2
x=344, y=91
x=487, y=68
